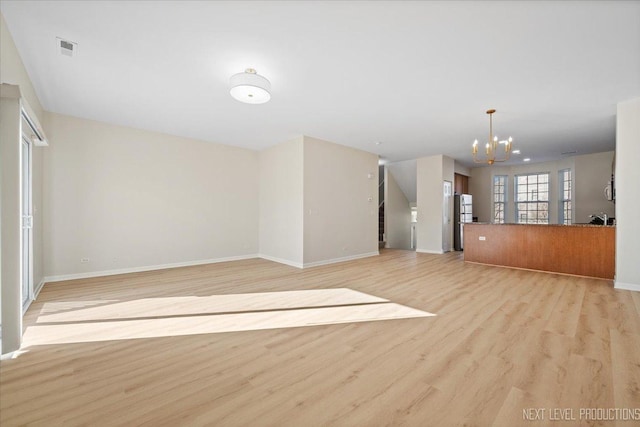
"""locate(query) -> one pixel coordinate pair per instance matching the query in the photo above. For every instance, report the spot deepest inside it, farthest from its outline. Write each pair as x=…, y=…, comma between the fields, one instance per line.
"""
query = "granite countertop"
x=542, y=225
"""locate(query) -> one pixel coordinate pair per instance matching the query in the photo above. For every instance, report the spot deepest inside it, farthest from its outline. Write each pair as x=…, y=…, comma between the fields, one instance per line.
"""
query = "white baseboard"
x=318, y=263
x=427, y=251
x=7, y=356
x=281, y=261
x=627, y=286
x=87, y=275
x=38, y=288
x=342, y=259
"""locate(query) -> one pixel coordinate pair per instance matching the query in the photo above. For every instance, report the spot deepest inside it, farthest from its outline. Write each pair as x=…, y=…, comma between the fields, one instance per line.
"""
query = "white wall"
x=281, y=203
x=12, y=71
x=10, y=292
x=628, y=195
x=397, y=214
x=340, y=222
x=591, y=173
x=128, y=199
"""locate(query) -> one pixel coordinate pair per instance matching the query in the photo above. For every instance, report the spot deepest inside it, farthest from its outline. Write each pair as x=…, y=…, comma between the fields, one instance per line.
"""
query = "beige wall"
x=461, y=169
x=628, y=195
x=281, y=203
x=480, y=187
x=429, y=203
x=127, y=198
x=397, y=214
x=340, y=202
x=434, y=229
x=591, y=173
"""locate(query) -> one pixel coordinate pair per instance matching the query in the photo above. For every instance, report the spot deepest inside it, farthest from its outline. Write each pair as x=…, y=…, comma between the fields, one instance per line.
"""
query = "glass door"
x=27, y=221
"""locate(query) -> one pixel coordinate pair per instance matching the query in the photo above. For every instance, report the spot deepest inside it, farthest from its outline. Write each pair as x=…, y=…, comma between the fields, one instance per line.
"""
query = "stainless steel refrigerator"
x=462, y=212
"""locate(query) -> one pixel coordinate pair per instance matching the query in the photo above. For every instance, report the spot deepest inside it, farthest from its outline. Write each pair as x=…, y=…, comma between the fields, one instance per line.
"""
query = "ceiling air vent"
x=67, y=48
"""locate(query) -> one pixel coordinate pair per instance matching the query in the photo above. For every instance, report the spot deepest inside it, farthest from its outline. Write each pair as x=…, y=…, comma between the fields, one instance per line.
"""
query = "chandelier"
x=492, y=146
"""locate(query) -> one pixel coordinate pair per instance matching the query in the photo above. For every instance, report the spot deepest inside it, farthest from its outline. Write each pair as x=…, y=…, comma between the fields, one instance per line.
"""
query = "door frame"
x=447, y=213
x=26, y=221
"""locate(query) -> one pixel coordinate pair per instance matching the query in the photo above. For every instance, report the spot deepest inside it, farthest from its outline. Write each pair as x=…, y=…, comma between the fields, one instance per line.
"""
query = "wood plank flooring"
x=502, y=341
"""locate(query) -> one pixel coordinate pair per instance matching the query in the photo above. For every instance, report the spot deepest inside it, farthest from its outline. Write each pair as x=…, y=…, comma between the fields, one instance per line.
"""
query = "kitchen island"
x=582, y=250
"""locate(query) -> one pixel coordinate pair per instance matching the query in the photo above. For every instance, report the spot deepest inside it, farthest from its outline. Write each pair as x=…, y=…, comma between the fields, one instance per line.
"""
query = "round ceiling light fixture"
x=250, y=87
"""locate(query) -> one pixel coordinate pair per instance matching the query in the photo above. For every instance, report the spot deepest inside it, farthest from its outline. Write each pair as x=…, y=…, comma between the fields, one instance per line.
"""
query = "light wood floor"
x=502, y=341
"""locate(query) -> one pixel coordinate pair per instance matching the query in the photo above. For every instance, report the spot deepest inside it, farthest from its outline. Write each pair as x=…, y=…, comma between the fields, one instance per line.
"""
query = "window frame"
x=505, y=192
x=537, y=200
x=563, y=202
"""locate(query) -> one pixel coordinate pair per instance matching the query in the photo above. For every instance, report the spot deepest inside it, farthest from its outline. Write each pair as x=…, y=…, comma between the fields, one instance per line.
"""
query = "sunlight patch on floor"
x=212, y=304
x=64, y=306
x=259, y=312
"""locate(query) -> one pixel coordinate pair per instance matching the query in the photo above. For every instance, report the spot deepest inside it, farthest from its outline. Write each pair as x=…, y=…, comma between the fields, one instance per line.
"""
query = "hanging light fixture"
x=491, y=147
x=250, y=87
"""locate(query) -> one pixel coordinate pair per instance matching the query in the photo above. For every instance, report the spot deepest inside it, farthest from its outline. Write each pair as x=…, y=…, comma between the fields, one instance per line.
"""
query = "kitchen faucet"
x=603, y=216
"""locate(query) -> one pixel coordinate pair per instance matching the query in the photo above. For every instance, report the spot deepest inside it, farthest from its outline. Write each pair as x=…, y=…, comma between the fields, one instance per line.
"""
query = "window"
x=414, y=214
x=499, y=198
x=564, y=178
x=532, y=198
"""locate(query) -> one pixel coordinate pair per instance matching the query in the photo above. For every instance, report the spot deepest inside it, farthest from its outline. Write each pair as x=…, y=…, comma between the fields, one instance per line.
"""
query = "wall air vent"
x=66, y=47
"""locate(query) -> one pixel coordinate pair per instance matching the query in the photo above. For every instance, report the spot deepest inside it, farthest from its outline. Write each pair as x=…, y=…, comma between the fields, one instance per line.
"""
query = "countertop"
x=541, y=225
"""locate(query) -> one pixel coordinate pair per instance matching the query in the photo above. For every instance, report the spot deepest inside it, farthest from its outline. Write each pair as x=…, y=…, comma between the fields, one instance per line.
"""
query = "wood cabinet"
x=461, y=184
x=569, y=249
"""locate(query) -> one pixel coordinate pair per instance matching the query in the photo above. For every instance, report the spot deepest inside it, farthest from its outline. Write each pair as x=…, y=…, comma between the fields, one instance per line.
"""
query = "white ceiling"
x=416, y=76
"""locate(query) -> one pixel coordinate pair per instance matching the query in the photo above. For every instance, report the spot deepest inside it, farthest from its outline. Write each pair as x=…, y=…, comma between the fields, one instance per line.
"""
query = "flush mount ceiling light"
x=491, y=147
x=250, y=87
